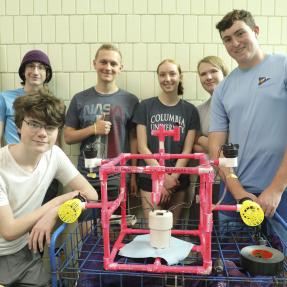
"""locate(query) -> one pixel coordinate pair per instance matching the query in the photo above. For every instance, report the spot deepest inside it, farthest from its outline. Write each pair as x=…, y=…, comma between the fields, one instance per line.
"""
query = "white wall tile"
x=182, y=56
x=167, y=51
x=48, y=29
x=13, y=58
x=196, y=7
x=205, y=29
x=90, y=79
x=7, y=81
x=97, y=6
x=262, y=22
x=133, y=82
x=239, y=4
x=90, y=28
x=146, y=31
x=2, y=8
x=20, y=29
x=26, y=7
x=34, y=29
x=62, y=29
x=82, y=6
x=12, y=7
x=126, y=6
x=76, y=28
x=62, y=86
x=215, y=33
x=254, y=7
x=55, y=55
x=183, y=7
x=68, y=7
x=76, y=83
x=176, y=29
x=104, y=28
x=127, y=56
x=69, y=58
x=190, y=28
x=267, y=7
x=140, y=57
x=119, y=28
x=189, y=84
x=162, y=28
x=210, y=49
x=225, y=6
x=111, y=6
x=280, y=8
x=153, y=56
x=280, y=49
x=6, y=30
x=83, y=57
x=154, y=6
x=211, y=7
x=3, y=57
x=148, y=28
x=284, y=31
x=40, y=7
x=274, y=24
x=54, y=7
x=196, y=53
x=122, y=80
x=133, y=28
x=147, y=85
x=169, y=6
x=140, y=6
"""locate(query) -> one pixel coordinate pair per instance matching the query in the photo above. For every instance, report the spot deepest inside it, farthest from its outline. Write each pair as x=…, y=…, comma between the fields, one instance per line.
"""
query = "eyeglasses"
x=35, y=126
x=33, y=66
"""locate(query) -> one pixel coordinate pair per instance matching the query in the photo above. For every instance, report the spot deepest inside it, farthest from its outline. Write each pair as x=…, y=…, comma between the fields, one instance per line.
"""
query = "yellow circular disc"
x=251, y=213
x=70, y=210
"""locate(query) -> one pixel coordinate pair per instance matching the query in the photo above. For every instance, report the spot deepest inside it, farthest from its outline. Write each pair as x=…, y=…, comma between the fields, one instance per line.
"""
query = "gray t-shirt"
x=118, y=108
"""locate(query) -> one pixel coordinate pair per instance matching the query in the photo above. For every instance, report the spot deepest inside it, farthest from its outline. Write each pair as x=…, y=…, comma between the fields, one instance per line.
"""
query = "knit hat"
x=35, y=56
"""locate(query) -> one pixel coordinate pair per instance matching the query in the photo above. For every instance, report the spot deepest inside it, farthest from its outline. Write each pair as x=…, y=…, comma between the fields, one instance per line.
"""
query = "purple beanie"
x=35, y=56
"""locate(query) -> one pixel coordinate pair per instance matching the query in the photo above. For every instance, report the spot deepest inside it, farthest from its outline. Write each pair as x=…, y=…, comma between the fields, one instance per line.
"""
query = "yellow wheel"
x=251, y=213
x=70, y=210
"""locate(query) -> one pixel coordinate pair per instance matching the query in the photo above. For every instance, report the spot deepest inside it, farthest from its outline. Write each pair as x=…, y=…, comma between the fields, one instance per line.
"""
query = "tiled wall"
x=146, y=31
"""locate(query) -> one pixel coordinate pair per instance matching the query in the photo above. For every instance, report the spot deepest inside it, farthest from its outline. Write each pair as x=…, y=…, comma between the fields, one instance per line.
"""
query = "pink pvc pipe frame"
x=118, y=165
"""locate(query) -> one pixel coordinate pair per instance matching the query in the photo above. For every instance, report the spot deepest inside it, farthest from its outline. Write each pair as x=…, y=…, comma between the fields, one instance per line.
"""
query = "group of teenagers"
x=247, y=107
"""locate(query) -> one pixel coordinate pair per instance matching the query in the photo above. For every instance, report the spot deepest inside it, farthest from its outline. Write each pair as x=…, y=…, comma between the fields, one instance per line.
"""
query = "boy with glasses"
x=27, y=169
x=35, y=71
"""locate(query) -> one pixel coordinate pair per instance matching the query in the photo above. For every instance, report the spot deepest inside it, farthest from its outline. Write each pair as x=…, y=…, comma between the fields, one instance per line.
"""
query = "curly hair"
x=236, y=15
x=41, y=105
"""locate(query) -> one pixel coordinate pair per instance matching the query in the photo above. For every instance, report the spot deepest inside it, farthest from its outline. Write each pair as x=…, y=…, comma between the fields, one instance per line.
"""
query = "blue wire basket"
x=78, y=261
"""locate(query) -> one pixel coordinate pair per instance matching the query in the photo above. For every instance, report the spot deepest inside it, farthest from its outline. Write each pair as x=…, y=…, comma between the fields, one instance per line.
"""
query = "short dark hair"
x=109, y=47
x=180, y=88
x=235, y=15
x=41, y=105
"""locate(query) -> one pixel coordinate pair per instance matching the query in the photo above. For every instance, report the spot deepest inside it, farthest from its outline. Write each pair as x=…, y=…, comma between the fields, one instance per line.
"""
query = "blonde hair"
x=108, y=47
x=216, y=62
